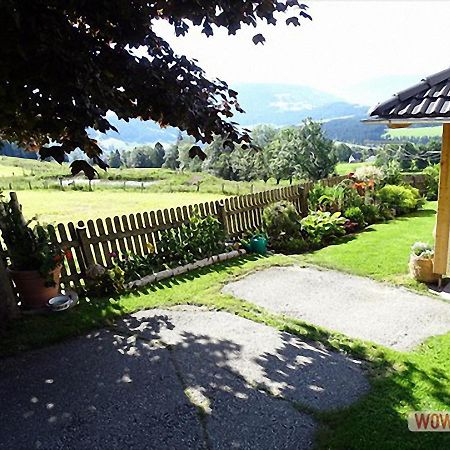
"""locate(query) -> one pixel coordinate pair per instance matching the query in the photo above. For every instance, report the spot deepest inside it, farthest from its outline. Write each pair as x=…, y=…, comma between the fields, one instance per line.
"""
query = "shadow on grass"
x=35, y=331
x=220, y=267
x=418, y=213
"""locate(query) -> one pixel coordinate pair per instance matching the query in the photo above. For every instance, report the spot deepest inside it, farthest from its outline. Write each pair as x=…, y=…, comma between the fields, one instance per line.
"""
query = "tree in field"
x=184, y=160
x=218, y=158
x=315, y=154
x=65, y=65
x=262, y=135
x=115, y=160
x=283, y=154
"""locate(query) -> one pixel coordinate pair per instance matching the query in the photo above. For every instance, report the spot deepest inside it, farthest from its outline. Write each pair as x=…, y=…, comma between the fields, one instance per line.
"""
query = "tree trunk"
x=8, y=305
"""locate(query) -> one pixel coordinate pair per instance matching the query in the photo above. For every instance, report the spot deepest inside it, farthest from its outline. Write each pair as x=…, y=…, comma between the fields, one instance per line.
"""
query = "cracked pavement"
x=181, y=378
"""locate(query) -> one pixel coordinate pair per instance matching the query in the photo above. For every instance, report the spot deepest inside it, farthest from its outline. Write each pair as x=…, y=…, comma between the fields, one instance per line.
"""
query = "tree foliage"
x=66, y=64
x=410, y=156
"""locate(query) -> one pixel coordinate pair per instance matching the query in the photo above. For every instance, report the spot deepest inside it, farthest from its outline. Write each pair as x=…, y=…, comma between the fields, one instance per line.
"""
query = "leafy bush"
x=332, y=199
x=355, y=215
x=371, y=212
x=107, y=282
x=392, y=173
x=281, y=219
x=28, y=247
x=200, y=238
x=432, y=181
x=290, y=245
x=322, y=227
x=282, y=225
x=401, y=199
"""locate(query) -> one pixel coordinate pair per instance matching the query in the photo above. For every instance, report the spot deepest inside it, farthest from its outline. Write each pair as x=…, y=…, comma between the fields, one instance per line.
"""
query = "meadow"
x=419, y=132
x=53, y=206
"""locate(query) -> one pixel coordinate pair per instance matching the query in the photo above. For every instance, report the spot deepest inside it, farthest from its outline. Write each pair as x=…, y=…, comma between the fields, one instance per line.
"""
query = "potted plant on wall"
x=35, y=261
x=421, y=263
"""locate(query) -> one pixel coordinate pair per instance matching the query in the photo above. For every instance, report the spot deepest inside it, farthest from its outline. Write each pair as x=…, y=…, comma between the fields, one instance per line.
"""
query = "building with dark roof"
x=426, y=102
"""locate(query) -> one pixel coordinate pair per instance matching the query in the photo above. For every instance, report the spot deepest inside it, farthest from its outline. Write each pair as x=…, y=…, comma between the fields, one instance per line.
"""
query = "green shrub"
x=201, y=237
x=401, y=199
x=392, y=173
x=371, y=212
x=321, y=227
x=281, y=223
x=291, y=245
x=334, y=198
x=432, y=181
x=354, y=214
x=281, y=219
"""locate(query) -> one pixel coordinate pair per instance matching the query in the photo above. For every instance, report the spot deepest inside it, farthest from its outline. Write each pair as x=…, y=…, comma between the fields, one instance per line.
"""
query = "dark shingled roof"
x=430, y=99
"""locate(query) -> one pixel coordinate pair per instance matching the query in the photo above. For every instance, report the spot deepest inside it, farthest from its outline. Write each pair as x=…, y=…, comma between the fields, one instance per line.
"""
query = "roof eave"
x=406, y=121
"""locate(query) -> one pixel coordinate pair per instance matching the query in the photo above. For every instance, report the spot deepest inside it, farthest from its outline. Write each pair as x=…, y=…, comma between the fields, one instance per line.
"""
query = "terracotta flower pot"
x=421, y=269
x=30, y=285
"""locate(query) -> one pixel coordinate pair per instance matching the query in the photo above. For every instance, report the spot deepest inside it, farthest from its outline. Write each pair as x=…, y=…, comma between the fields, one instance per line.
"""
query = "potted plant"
x=35, y=260
x=421, y=263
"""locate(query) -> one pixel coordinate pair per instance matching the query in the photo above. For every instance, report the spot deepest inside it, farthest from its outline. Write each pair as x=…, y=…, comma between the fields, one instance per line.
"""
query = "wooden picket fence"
x=95, y=241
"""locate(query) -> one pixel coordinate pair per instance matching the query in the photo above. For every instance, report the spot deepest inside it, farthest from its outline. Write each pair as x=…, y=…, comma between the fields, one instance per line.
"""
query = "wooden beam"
x=443, y=213
x=399, y=125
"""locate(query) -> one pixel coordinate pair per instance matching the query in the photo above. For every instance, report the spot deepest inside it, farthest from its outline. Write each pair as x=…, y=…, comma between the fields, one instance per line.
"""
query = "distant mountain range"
x=276, y=104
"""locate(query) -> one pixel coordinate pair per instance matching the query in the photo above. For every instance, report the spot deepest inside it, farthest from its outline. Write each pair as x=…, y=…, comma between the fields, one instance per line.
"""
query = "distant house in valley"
x=355, y=157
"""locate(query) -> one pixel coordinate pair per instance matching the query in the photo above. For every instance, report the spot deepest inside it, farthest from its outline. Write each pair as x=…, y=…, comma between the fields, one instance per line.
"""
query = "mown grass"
x=52, y=206
x=346, y=168
x=418, y=132
x=382, y=250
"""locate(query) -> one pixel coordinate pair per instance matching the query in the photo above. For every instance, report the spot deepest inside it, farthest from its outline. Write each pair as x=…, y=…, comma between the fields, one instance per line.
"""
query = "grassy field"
x=65, y=206
x=20, y=174
x=419, y=132
x=346, y=168
x=381, y=251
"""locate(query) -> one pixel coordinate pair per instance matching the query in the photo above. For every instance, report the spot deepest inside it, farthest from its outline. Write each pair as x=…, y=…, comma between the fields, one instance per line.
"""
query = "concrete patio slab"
x=205, y=342
x=103, y=391
x=355, y=306
x=185, y=378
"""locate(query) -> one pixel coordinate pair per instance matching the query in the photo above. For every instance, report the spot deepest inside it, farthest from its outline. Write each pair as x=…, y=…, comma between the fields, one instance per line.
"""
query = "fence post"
x=222, y=215
x=15, y=206
x=303, y=192
x=85, y=247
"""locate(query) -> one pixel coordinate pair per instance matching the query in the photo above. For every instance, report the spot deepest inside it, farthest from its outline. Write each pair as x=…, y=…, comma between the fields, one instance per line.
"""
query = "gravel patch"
x=355, y=306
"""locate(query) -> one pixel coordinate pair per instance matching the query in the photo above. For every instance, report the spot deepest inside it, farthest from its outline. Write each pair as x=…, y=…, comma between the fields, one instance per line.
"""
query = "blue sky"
x=360, y=50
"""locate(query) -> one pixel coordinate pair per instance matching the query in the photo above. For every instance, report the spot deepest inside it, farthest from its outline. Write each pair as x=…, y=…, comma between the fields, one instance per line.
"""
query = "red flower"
x=69, y=255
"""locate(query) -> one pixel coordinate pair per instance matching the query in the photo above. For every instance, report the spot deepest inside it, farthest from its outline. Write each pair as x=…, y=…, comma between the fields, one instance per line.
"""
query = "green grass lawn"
x=398, y=133
x=381, y=251
x=346, y=168
x=53, y=206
